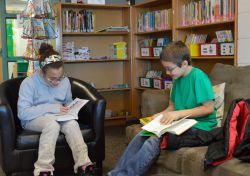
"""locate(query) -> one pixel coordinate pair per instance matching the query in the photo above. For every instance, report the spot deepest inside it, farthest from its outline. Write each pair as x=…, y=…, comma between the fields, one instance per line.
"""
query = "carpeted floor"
x=115, y=145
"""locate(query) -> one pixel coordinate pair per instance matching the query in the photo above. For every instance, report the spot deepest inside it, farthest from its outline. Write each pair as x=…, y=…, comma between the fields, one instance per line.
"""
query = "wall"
x=243, y=32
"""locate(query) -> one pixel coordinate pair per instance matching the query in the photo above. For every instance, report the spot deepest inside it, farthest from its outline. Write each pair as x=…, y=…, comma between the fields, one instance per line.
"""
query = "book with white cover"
x=176, y=127
x=74, y=108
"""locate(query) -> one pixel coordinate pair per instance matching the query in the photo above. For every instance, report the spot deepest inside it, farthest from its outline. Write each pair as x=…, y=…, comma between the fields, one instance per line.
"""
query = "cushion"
x=219, y=100
x=154, y=101
x=219, y=70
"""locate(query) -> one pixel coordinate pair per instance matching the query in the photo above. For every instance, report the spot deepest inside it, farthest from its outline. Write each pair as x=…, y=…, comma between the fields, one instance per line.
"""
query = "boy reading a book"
x=44, y=93
x=192, y=95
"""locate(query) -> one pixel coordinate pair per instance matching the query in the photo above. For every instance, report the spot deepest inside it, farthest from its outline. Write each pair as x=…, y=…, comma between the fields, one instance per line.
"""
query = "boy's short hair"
x=176, y=52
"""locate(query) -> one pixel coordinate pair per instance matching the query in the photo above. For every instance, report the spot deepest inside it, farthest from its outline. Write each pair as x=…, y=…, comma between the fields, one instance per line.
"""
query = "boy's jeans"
x=50, y=129
x=140, y=154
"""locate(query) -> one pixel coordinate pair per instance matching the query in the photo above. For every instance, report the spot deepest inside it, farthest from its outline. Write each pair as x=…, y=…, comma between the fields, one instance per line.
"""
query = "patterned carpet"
x=115, y=145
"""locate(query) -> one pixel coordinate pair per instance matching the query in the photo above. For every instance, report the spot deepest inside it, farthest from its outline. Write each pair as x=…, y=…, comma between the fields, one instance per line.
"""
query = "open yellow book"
x=176, y=127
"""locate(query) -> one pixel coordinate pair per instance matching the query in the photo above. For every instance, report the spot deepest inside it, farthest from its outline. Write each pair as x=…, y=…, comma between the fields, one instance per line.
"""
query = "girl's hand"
x=64, y=110
x=169, y=117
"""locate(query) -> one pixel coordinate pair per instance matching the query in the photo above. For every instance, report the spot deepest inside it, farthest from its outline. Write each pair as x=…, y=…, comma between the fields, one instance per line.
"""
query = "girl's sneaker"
x=89, y=171
x=44, y=174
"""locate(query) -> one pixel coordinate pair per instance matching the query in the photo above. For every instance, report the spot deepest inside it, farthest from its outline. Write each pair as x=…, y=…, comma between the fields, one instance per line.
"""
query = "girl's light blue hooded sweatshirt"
x=37, y=98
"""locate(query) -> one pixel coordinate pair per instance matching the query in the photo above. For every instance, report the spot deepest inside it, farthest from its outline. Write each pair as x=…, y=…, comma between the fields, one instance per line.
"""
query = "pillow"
x=219, y=99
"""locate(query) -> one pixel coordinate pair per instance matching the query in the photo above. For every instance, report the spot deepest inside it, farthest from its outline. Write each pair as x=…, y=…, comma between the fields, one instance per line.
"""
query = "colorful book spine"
x=207, y=11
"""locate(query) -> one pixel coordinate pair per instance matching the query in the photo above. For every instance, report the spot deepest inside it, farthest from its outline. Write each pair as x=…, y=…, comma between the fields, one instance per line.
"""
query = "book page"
x=156, y=127
x=74, y=107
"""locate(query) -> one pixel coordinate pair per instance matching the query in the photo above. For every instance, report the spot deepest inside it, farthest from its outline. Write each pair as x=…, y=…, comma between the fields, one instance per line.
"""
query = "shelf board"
x=205, y=25
x=148, y=58
x=93, y=60
x=144, y=88
x=93, y=6
x=212, y=57
x=118, y=117
x=93, y=33
x=153, y=32
x=113, y=90
x=151, y=3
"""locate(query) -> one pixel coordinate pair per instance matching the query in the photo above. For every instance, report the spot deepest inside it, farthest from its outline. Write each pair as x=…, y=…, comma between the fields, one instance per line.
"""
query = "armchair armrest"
x=92, y=114
x=7, y=133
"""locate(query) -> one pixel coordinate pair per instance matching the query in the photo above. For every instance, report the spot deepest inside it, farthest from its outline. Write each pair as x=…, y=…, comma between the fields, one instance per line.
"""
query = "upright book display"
x=38, y=26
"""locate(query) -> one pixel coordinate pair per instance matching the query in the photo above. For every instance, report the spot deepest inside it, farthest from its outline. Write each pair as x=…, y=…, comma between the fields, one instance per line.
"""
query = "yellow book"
x=145, y=120
x=121, y=50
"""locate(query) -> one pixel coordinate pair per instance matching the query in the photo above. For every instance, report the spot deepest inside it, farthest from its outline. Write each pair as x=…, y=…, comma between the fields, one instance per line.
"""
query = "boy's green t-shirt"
x=191, y=91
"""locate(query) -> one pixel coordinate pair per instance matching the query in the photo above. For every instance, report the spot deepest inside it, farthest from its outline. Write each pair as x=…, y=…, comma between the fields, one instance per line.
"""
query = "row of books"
x=155, y=20
x=195, y=39
x=151, y=42
x=39, y=28
x=78, y=21
x=207, y=11
x=221, y=36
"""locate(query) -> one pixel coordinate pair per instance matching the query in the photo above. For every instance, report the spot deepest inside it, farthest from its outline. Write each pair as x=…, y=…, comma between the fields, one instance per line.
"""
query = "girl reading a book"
x=191, y=95
x=44, y=93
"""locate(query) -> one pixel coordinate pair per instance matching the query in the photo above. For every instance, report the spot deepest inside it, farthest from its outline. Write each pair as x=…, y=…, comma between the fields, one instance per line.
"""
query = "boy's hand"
x=64, y=110
x=155, y=115
x=169, y=117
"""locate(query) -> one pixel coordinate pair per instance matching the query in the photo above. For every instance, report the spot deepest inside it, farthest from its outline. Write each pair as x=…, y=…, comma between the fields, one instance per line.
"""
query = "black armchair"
x=19, y=148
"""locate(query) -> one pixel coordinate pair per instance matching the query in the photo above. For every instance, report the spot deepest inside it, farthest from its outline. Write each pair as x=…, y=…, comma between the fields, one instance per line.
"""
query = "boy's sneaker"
x=89, y=171
x=44, y=174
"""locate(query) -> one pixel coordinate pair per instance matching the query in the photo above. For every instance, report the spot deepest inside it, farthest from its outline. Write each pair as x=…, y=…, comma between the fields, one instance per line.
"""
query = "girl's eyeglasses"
x=54, y=79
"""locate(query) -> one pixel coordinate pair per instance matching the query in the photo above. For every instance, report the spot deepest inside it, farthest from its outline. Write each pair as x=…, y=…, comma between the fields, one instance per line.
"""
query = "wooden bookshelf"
x=113, y=90
x=148, y=58
x=118, y=120
x=153, y=32
x=94, y=60
x=140, y=65
x=102, y=72
x=145, y=88
x=94, y=33
x=221, y=23
x=205, y=63
x=179, y=32
x=213, y=57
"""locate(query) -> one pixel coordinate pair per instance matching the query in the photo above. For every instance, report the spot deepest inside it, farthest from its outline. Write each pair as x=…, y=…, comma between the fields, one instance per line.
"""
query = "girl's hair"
x=176, y=52
x=45, y=51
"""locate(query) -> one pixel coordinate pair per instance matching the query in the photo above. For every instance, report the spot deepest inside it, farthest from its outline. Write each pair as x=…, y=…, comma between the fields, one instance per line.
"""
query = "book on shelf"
x=78, y=21
x=74, y=107
x=224, y=36
x=38, y=27
x=176, y=127
x=155, y=20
